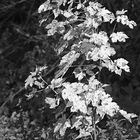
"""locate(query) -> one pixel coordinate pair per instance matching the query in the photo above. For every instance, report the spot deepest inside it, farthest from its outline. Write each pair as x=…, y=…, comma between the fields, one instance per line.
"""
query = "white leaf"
x=65, y=126
x=57, y=127
x=55, y=83
x=52, y=102
x=67, y=14
x=79, y=6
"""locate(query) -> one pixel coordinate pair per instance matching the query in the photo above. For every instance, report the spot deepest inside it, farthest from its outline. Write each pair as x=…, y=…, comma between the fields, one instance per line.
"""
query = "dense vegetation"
x=24, y=46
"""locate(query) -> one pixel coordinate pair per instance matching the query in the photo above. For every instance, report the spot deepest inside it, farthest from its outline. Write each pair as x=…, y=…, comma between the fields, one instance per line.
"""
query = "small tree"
x=87, y=47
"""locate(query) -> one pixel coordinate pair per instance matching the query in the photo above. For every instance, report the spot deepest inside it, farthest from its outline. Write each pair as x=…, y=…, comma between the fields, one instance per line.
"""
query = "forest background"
x=24, y=45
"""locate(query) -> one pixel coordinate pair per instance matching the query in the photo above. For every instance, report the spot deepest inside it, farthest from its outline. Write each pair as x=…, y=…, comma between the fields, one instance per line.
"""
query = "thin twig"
x=114, y=27
x=91, y=137
x=93, y=122
x=9, y=97
x=12, y=5
x=95, y=136
x=48, y=85
x=29, y=15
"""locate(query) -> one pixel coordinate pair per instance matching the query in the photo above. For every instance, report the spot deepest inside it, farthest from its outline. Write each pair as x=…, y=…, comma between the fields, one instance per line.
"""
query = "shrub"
x=88, y=35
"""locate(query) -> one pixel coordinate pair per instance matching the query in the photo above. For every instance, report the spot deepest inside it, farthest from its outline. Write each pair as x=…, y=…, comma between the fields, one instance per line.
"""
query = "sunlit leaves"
x=128, y=116
x=52, y=102
x=79, y=29
x=35, y=79
x=119, y=36
x=44, y=7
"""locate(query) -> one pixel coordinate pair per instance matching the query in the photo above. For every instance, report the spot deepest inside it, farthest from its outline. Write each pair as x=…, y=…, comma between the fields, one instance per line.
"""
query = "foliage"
x=87, y=44
x=82, y=82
